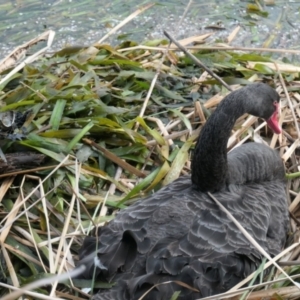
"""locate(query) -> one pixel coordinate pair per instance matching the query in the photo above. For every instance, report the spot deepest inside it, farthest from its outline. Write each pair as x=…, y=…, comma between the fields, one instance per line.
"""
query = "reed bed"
x=104, y=126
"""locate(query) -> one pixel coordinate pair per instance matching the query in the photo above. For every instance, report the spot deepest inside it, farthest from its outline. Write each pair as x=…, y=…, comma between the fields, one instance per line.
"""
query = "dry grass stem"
x=7, y=61
x=225, y=47
x=125, y=21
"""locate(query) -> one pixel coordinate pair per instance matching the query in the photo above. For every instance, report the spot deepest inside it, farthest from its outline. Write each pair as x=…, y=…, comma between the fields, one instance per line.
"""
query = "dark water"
x=85, y=22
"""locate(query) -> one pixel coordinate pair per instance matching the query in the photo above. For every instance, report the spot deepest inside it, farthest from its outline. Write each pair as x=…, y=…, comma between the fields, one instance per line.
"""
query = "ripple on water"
x=85, y=22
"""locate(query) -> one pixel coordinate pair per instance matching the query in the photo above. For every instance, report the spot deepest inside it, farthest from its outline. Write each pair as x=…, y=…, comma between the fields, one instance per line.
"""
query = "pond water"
x=275, y=25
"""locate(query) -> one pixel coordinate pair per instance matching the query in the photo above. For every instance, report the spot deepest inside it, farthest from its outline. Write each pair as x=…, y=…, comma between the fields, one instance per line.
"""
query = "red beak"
x=273, y=121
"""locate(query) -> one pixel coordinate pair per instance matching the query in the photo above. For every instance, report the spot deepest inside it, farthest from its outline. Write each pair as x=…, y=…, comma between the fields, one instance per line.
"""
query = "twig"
x=295, y=220
x=115, y=158
x=26, y=290
x=289, y=263
x=197, y=61
x=50, y=35
x=33, y=170
x=185, y=12
x=289, y=100
x=217, y=48
x=171, y=136
x=128, y=19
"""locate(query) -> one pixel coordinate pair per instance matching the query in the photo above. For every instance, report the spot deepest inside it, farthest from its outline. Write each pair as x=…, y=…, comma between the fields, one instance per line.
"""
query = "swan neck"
x=209, y=164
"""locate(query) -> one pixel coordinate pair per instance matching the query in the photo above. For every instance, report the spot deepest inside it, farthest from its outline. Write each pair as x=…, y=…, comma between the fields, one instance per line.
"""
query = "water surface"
x=85, y=22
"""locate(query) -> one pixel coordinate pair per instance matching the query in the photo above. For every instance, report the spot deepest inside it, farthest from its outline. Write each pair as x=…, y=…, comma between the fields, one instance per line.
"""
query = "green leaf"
x=175, y=296
x=79, y=136
x=263, y=69
x=35, y=269
x=140, y=186
x=57, y=114
x=183, y=118
x=178, y=163
x=170, y=94
x=159, y=177
x=37, y=239
x=154, y=133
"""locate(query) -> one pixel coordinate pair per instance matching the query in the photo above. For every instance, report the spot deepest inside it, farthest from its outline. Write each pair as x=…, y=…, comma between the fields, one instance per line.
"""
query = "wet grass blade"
x=79, y=136
x=57, y=114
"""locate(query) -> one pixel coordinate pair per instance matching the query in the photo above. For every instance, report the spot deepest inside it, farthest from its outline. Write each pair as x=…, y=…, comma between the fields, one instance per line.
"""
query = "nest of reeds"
x=102, y=126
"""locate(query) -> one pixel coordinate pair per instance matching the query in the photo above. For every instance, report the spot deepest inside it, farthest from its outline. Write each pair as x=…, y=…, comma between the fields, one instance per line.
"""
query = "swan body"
x=180, y=234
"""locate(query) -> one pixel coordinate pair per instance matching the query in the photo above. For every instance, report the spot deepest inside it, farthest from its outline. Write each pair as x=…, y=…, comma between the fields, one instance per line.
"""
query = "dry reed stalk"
x=224, y=47
x=162, y=128
x=199, y=110
x=19, y=53
x=11, y=270
x=233, y=34
x=5, y=185
x=193, y=39
x=22, y=49
x=125, y=21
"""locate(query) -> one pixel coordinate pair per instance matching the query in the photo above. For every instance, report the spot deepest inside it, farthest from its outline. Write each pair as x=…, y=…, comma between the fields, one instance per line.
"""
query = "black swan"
x=180, y=234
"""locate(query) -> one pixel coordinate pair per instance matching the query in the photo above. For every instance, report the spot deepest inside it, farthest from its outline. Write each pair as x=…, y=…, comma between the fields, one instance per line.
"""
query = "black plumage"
x=180, y=234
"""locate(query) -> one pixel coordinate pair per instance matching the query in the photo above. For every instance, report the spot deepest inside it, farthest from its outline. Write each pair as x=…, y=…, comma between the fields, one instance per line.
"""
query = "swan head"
x=264, y=104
